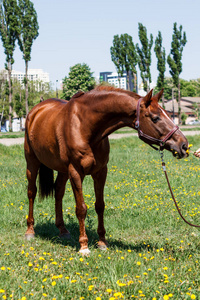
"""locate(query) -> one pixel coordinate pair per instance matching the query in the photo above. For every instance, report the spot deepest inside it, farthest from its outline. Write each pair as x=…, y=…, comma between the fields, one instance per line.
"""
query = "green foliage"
x=189, y=88
x=144, y=53
x=175, y=62
x=80, y=78
x=161, y=60
x=183, y=118
x=124, y=55
x=116, y=55
x=196, y=109
x=28, y=27
x=9, y=28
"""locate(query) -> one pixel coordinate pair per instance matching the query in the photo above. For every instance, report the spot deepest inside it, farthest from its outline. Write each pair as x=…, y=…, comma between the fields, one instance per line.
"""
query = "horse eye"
x=155, y=119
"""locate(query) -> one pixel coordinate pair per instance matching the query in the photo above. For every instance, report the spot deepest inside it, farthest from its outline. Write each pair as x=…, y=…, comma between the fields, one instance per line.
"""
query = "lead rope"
x=165, y=171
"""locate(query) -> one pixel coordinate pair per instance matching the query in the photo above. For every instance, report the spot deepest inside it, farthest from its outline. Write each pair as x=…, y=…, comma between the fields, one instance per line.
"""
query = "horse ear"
x=158, y=95
x=147, y=98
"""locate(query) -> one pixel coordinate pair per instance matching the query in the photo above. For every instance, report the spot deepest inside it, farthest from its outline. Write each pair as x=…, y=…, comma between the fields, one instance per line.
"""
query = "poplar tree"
x=116, y=54
x=9, y=31
x=161, y=62
x=144, y=53
x=178, y=42
x=124, y=56
x=28, y=33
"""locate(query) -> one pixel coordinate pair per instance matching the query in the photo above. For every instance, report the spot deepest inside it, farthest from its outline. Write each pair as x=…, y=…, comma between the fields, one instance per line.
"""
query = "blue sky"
x=81, y=31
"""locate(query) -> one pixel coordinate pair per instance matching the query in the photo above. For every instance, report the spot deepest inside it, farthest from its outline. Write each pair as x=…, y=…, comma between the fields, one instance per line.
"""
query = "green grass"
x=153, y=254
x=11, y=134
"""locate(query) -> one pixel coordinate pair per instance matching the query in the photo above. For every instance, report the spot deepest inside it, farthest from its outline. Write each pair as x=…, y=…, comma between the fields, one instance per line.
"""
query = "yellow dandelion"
x=53, y=283
x=109, y=291
x=193, y=296
x=138, y=263
x=2, y=291
x=166, y=297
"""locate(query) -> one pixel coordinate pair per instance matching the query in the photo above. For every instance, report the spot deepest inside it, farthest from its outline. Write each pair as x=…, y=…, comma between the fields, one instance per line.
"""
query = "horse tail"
x=46, y=182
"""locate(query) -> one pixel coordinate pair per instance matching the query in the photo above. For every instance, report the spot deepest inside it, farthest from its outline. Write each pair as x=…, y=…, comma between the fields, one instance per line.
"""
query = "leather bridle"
x=148, y=137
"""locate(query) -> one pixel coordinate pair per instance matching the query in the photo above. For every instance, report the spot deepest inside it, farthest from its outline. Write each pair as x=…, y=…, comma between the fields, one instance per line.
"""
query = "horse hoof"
x=84, y=252
x=29, y=236
x=102, y=245
x=65, y=236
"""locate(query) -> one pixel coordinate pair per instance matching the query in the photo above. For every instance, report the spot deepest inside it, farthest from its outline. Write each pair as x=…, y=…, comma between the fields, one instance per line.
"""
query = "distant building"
x=33, y=75
x=118, y=81
x=171, y=106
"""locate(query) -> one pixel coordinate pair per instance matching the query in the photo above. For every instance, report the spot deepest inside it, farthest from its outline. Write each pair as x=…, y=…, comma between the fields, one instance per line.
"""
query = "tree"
x=144, y=53
x=178, y=42
x=9, y=31
x=116, y=55
x=80, y=78
x=161, y=61
x=28, y=33
x=3, y=97
x=124, y=56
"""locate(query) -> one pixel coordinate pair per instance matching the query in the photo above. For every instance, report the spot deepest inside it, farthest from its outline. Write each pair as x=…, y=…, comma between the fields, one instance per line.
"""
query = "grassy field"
x=152, y=253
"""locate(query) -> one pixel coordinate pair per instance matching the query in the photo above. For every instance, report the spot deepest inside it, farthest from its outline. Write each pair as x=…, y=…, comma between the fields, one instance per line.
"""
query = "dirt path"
x=114, y=136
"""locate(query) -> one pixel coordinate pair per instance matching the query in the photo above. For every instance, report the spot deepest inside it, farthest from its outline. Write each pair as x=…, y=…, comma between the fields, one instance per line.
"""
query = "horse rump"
x=46, y=182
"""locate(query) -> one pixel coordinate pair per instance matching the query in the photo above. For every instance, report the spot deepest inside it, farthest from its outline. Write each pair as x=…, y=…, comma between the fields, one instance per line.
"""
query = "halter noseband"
x=148, y=137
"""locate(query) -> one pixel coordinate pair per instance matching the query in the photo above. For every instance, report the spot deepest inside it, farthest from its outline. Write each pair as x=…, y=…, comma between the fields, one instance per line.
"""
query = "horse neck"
x=109, y=113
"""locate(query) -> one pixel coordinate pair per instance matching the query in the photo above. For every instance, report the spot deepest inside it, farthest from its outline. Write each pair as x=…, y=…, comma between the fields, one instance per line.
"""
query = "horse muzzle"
x=181, y=152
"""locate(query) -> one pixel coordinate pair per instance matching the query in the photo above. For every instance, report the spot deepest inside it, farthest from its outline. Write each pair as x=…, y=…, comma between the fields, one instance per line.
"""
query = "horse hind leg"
x=59, y=193
x=99, y=183
x=76, y=179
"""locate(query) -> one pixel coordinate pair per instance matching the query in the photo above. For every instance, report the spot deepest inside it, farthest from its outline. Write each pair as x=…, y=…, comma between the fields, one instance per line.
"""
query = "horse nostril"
x=184, y=147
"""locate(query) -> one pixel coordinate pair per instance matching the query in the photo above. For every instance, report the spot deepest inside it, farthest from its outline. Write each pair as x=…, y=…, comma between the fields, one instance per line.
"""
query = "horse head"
x=155, y=127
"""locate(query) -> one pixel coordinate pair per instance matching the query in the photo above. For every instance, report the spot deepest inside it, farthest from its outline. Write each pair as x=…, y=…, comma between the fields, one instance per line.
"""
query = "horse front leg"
x=99, y=183
x=31, y=174
x=81, y=209
x=59, y=193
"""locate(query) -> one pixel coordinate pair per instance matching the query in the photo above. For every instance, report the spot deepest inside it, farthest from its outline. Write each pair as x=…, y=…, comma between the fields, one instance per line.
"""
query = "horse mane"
x=113, y=89
x=107, y=88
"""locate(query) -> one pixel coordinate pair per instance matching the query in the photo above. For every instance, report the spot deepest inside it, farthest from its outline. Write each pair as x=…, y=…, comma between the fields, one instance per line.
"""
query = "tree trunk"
x=1, y=117
x=26, y=87
x=163, y=102
x=179, y=104
x=9, y=66
x=127, y=78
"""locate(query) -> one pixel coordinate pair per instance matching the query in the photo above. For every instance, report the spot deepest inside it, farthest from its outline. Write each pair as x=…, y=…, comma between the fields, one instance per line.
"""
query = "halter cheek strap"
x=148, y=137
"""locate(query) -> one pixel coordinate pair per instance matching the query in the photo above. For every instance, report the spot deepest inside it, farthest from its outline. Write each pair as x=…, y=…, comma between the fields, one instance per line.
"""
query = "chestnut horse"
x=72, y=138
